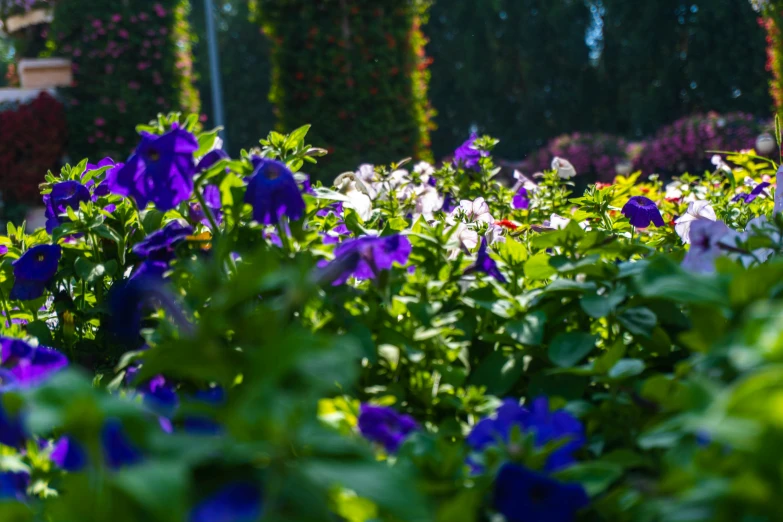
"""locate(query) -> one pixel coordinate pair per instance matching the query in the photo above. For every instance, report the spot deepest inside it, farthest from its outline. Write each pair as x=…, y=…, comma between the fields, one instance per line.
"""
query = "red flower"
x=505, y=223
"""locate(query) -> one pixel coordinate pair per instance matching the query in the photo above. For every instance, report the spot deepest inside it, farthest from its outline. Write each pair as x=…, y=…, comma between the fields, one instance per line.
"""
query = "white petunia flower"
x=697, y=210
x=563, y=168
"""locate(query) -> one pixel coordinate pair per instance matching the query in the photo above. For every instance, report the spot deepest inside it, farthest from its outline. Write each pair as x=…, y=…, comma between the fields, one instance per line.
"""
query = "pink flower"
x=143, y=16
x=123, y=34
x=116, y=18
x=134, y=85
x=100, y=122
x=119, y=139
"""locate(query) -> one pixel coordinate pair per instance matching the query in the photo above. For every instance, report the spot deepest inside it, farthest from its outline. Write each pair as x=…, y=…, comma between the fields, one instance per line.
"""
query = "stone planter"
x=35, y=17
x=44, y=73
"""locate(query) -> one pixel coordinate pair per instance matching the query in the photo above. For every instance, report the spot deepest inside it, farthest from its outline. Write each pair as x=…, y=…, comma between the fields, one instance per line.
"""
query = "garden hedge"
x=129, y=58
x=664, y=60
x=356, y=70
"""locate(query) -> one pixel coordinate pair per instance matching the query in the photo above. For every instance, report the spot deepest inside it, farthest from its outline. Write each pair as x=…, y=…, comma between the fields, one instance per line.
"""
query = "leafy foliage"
x=242, y=378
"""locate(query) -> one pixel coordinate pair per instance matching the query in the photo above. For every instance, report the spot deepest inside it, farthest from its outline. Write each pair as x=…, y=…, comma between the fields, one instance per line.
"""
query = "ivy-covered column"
x=131, y=61
x=356, y=70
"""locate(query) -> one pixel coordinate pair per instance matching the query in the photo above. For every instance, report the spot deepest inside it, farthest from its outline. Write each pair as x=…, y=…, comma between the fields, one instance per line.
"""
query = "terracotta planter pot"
x=36, y=16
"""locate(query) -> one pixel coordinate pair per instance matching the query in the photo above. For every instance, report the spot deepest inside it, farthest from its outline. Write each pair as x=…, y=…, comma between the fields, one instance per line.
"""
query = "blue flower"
x=64, y=195
x=210, y=159
x=13, y=485
x=756, y=192
x=160, y=396
x=273, y=193
x=641, y=211
x=522, y=495
x=160, y=171
x=34, y=270
x=467, y=156
x=160, y=245
x=69, y=455
x=486, y=264
x=521, y=199
x=236, y=502
x=545, y=425
x=365, y=257
x=30, y=365
x=213, y=200
x=117, y=449
x=385, y=426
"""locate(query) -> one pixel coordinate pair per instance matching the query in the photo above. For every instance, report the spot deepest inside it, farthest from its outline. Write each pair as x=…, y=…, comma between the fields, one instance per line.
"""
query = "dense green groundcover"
x=217, y=365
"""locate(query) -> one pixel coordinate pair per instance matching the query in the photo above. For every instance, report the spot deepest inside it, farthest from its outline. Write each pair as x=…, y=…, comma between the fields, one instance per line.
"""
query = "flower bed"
x=231, y=342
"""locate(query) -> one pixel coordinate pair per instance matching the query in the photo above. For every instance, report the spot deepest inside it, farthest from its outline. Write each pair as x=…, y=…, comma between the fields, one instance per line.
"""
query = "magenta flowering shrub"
x=685, y=145
x=129, y=58
x=595, y=155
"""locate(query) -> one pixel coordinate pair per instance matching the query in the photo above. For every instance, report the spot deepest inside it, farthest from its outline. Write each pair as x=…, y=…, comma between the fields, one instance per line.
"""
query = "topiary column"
x=771, y=12
x=131, y=61
x=356, y=70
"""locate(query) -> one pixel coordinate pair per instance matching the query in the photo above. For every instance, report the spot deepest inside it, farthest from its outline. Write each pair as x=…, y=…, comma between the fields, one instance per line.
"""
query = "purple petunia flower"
x=467, y=156
x=210, y=159
x=160, y=396
x=34, y=270
x=160, y=171
x=69, y=455
x=706, y=237
x=117, y=449
x=385, y=426
x=547, y=427
x=13, y=485
x=641, y=211
x=160, y=245
x=523, y=495
x=105, y=162
x=486, y=264
x=29, y=365
x=369, y=255
x=521, y=199
x=236, y=502
x=274, y=193
x=213, y=200
x=756, y=192
x=64, y=195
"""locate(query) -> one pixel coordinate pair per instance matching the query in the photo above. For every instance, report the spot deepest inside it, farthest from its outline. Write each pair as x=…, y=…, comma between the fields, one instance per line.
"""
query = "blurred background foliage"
x=415, y=77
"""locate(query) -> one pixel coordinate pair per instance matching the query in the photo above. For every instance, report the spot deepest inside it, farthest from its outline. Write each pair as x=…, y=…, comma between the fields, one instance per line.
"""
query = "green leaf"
x=567, y=349
x=596, y=477
x=626, y=368
x=498, y=373
x=529, y=330
x=512, y=252
x=296, y=138
x=638, y=321
x=88, y=270
x=151, y=221
x=598, y=306
x=538, y=267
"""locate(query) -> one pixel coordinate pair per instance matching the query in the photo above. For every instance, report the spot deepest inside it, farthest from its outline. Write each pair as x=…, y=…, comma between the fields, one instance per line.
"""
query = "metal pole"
x=214, y=70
